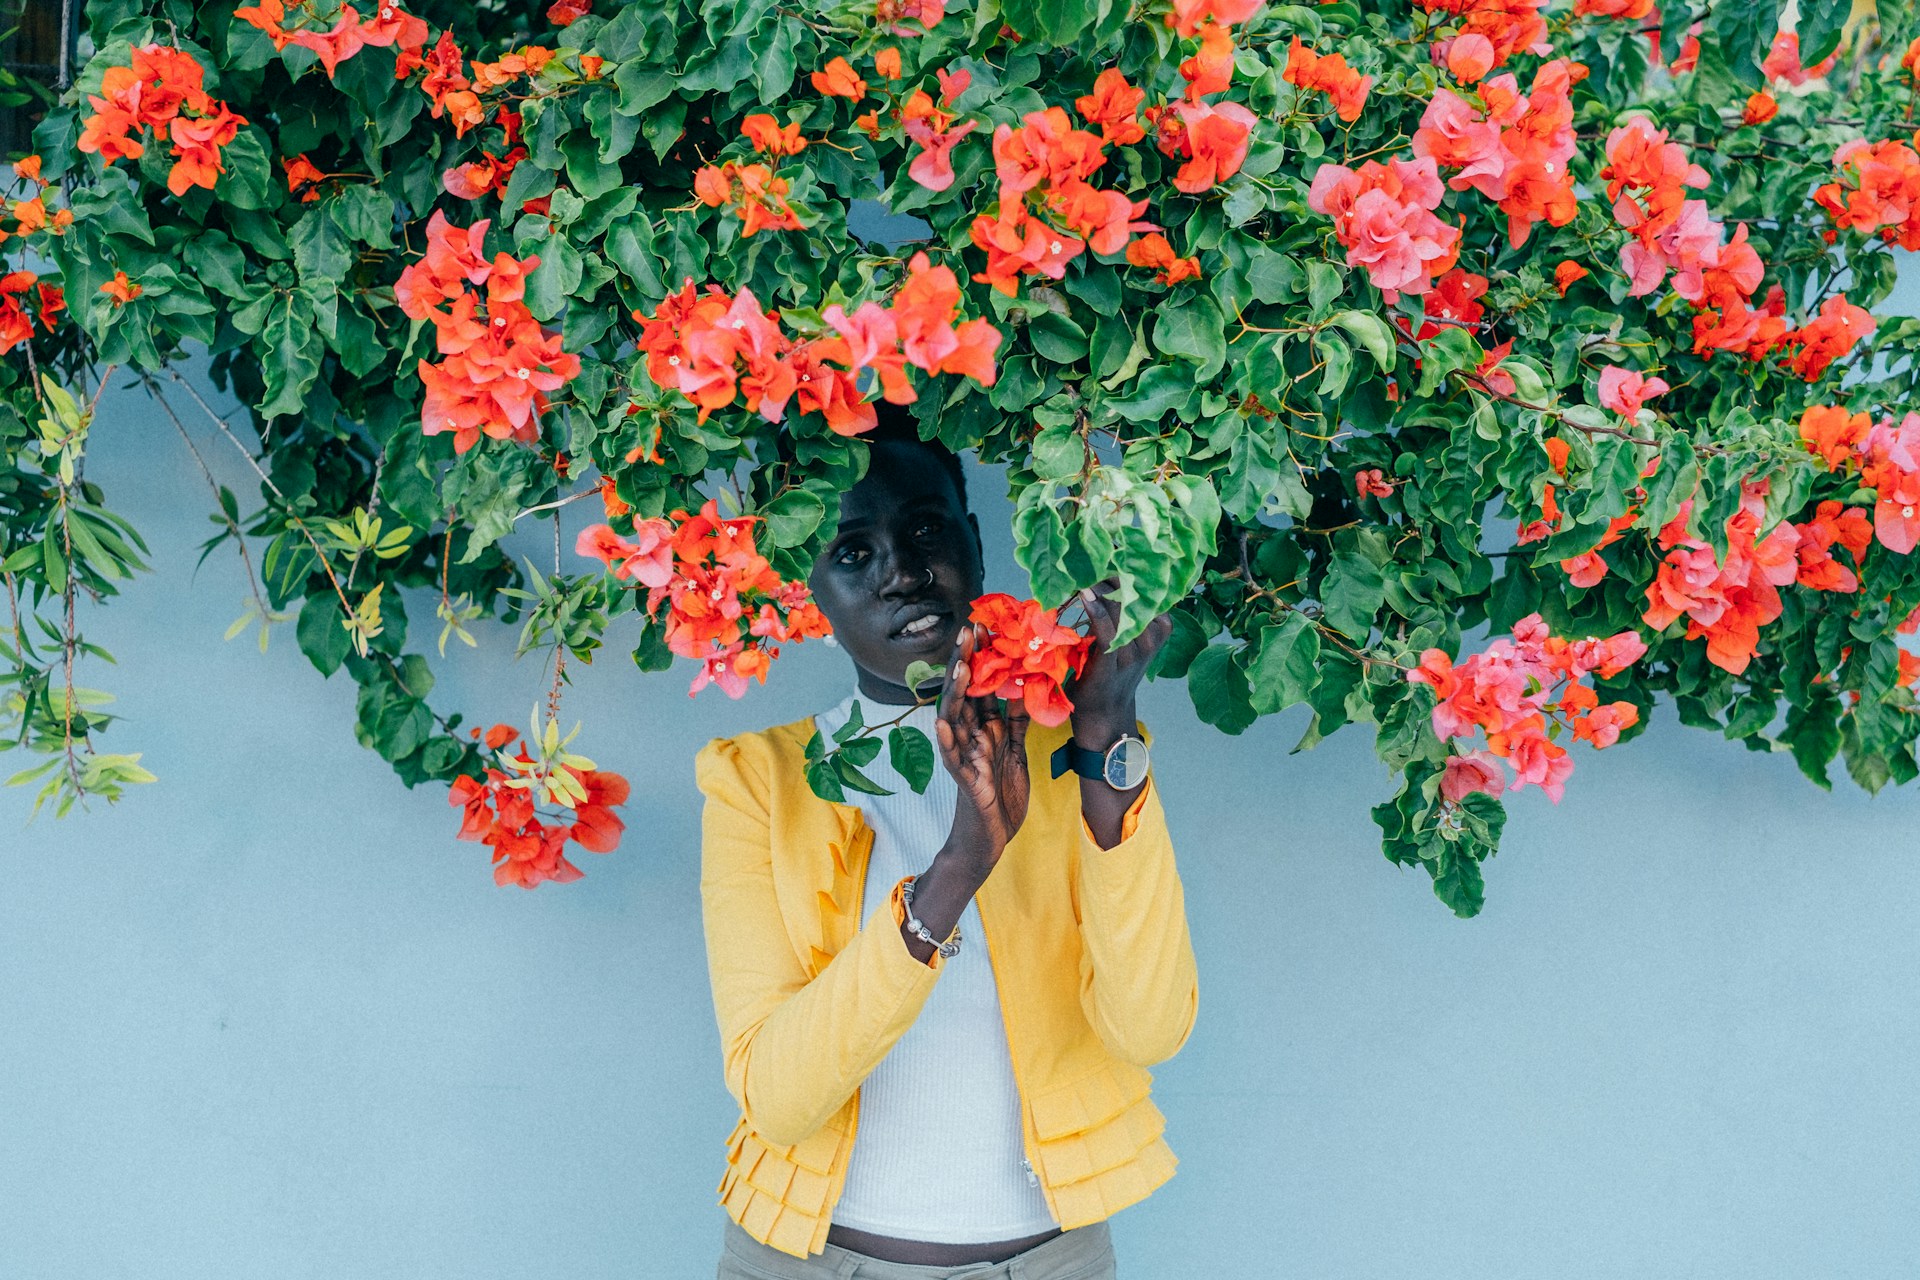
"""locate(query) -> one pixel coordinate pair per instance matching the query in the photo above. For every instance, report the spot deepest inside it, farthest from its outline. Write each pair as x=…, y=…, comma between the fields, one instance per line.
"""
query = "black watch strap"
x=1086, y=763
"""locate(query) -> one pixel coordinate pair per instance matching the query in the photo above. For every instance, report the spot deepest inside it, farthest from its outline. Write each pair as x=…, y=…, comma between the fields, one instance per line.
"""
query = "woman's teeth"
x=919, y=625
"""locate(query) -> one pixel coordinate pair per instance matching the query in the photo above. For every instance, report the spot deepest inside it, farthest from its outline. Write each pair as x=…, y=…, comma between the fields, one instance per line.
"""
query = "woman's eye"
x=931, y=526
x=842, y=558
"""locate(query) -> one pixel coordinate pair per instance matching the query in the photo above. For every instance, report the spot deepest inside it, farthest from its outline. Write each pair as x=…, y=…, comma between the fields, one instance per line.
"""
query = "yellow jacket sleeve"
x=1139, y=985
x=794, y=1048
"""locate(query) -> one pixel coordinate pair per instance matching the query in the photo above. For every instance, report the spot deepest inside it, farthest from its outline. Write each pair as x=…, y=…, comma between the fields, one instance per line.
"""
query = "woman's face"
x=900, y=576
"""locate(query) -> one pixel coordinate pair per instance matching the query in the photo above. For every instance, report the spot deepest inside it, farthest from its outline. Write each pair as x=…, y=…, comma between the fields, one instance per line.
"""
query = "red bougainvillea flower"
x=1382, y=214
x=120, y=289
x=499, y=809
x=1371, y=482
x=1725, y=603
x=1567, y=274
x=1028, y=656
x=769, y=137
x=1625, y=391
x=1329, y=75
x=1187, y=15
x=303, y=178
x=726, y=607
x=1152, y=250
x=716, y=350
x=564, y=13
x=1114, y=105
x=161, y=90
x=499, y=362
x=1213, y=141
x=1878, y=191
x=1511, y=691
x=1827, y=336
x=1834, y=434
x=1783, y=61
x=839, y=80
x=1761, y=107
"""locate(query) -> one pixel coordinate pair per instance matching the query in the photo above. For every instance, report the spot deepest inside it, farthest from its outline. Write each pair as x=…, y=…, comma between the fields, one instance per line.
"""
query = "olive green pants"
x=1082, y=1254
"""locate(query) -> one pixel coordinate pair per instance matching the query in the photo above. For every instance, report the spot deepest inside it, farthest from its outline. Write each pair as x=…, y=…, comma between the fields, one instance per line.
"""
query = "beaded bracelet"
x=948, y=949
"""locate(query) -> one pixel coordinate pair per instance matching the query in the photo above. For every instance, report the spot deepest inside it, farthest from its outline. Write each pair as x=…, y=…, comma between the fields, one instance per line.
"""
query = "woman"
x=908, y=1109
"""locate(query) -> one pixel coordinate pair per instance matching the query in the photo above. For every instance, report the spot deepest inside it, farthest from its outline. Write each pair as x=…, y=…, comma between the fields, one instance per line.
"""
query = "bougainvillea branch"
x=1402, y=353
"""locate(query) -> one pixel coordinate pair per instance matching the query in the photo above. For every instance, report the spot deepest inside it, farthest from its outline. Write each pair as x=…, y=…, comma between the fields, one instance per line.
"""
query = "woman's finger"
x=959, y=671
x=1100, y=615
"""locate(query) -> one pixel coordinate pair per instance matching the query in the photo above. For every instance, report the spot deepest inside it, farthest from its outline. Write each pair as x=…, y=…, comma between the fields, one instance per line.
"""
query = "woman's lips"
x=923, y=627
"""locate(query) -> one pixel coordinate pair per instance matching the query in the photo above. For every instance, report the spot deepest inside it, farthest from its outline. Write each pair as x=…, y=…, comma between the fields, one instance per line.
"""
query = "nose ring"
x=929, y=573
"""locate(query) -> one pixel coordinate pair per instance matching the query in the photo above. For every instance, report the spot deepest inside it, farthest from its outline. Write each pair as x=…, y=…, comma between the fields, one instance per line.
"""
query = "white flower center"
x=1906, y=513
x=673, y=360
x=1054, y=247
x=522, y=374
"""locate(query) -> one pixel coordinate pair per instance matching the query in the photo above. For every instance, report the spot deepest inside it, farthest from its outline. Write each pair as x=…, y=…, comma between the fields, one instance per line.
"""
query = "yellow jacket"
x=1089, y=948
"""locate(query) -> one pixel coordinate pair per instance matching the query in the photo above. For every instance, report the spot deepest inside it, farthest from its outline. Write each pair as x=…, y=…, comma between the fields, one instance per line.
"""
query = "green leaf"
x=911, y=755
x=1372, y=333
x=321, y=637
x=551, y=283
x=793, y=516
x=1056, y=22
x=1743, y=32
x=1192, y=331
x=1219, y=689
x=1285, y=666
x=1458, y=883
x=1352, y=594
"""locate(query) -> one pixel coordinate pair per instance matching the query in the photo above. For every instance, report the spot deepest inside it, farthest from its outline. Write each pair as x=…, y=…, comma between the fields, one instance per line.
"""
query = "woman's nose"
x=908, y=575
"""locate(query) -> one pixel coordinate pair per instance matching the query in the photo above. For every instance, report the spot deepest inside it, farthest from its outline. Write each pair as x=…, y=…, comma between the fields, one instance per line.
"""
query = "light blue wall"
x=268, y=1018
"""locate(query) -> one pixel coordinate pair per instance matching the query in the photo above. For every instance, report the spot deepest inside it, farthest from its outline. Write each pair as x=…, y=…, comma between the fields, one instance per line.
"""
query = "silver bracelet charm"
x=948, y=949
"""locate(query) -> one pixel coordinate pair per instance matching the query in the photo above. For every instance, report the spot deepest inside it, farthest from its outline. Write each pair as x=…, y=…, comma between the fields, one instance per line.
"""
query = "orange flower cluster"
x=1511, y=691
x=1879, y=190
x=391, y=26
x=754, y=191
x=727, y=608
x=1646, y=179
x=1512, y=147
x=1783, y=61
x=501, y=814
x=31, y=215
x=161, y=90
x=16, y=324
x=1508, y=27
x=1027, y=657
x=500, y=362
x=490, y=173
x=1826, y=337
x=714, y=349
x=1888, y=459
x=1726, y=603
x=1153, y=250
x=1043, y=167
x=1329, y=75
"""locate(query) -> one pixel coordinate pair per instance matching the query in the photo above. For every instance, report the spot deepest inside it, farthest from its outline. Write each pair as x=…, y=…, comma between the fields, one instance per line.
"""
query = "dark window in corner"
x=30, y=38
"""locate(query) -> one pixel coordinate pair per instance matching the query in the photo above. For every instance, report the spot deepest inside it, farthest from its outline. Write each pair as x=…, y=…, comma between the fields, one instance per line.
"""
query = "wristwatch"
x=1122, y=766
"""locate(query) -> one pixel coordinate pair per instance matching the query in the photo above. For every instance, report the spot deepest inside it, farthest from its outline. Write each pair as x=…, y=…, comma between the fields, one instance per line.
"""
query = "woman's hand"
x=1103, y=692
x=986, y=752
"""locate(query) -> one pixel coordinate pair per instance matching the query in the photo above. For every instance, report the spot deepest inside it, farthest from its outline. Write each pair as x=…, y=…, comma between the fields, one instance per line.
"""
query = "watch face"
x=1127, y=764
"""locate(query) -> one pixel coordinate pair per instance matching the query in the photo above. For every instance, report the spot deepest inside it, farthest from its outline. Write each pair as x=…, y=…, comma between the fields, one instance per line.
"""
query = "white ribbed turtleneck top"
x=937, y=1150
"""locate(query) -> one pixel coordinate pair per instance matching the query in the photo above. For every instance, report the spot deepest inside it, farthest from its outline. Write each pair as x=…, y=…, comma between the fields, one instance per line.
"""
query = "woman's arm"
x=1139, y=985
x=794, y=1049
